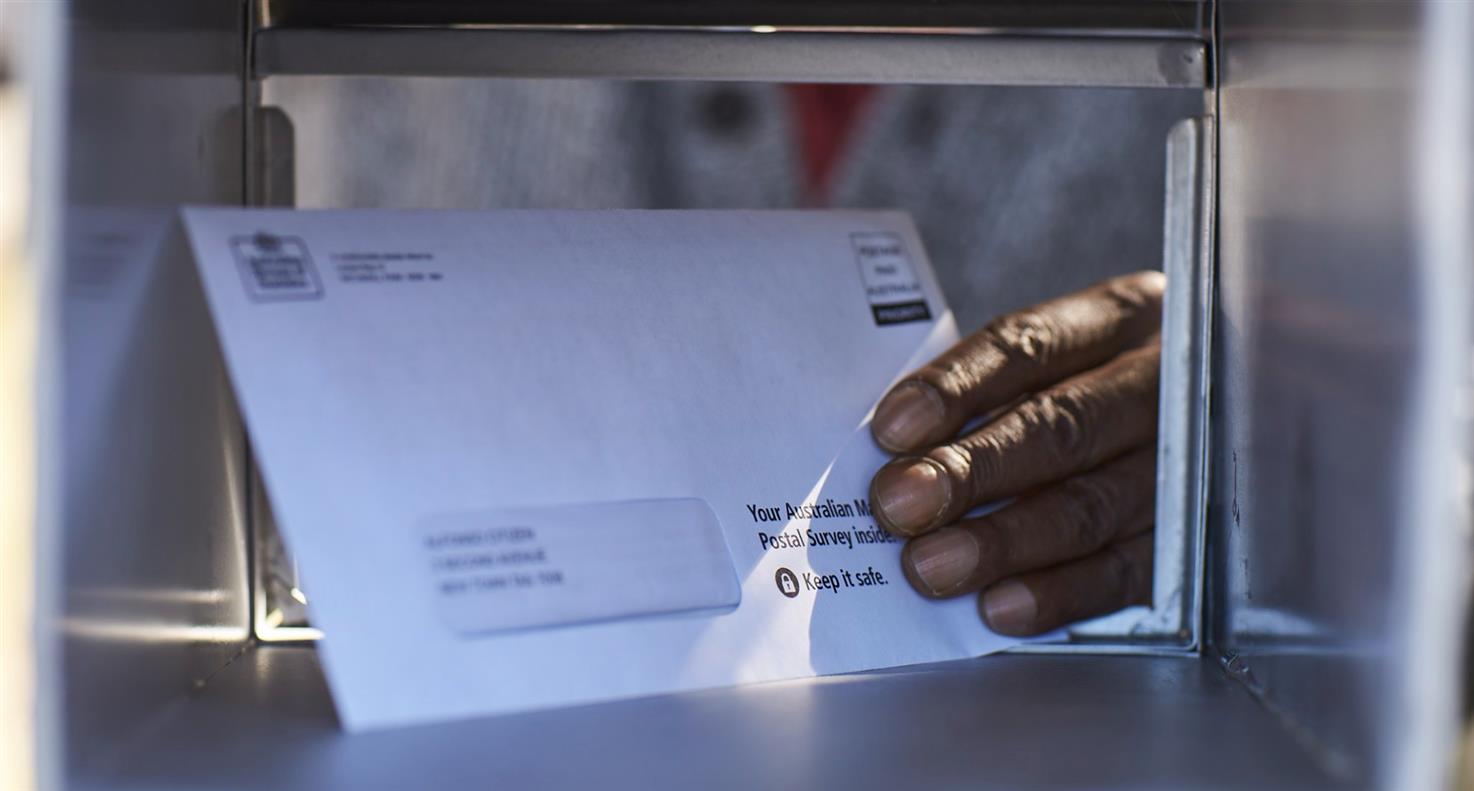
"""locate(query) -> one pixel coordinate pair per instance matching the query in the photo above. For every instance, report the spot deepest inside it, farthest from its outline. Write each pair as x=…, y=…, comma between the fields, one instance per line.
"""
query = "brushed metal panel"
x=149, y=467
x=1334, y=359
x=1101, y=17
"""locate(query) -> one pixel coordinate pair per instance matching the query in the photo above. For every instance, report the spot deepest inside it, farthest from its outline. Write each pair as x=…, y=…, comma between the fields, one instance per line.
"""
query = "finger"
x=1117, y=576
x=1065, y=430
x=1018, y=354
x=1063, y=522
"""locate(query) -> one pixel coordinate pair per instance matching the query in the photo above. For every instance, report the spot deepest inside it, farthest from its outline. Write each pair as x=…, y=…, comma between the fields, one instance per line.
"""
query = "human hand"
x=1070, y=390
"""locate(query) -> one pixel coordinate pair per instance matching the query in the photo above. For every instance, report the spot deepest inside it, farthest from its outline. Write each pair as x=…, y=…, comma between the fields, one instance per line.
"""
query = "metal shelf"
x=266, y=721
x=952, y=56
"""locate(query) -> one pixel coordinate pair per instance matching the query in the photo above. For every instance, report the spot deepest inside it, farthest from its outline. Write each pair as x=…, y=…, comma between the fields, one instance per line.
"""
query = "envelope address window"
x=526, y=568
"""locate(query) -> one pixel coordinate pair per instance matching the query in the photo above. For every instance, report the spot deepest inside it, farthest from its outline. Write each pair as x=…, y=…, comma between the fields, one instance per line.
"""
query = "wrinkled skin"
x=1067, y=391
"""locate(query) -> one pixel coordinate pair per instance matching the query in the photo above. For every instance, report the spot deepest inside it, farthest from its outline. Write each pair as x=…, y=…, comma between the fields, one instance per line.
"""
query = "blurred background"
x=17, y=467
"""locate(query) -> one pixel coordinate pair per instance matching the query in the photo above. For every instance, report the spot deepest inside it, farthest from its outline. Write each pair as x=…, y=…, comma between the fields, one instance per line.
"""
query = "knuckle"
x=1090, y=510
x=1027, y=337
x=1063, y=417
x=948, y=369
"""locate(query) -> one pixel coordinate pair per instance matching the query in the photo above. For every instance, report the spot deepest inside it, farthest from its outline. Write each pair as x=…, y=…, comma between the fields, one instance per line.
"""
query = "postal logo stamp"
x=891, y=284
x=275, y=268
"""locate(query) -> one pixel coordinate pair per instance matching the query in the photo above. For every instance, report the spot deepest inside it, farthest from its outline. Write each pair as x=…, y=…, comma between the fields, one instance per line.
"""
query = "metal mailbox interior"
x=1270, y=656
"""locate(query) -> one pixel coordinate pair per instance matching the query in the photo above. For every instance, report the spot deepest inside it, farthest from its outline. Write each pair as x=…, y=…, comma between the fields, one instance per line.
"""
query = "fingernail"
x=907, y=416
x=943, y=560
x=909, y=495
x=1010, y=608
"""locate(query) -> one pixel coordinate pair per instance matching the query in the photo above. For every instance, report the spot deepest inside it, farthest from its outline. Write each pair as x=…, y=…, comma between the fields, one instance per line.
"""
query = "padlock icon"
x=787, y=582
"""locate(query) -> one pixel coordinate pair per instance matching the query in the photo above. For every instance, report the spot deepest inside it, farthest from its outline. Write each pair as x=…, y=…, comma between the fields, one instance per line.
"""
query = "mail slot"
x=1300, y=175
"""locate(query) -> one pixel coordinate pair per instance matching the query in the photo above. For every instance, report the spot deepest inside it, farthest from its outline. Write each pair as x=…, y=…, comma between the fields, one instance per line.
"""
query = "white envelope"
x=535, y=458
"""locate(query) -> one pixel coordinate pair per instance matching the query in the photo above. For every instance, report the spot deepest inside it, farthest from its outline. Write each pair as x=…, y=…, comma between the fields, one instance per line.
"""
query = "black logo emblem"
x=787, y=582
